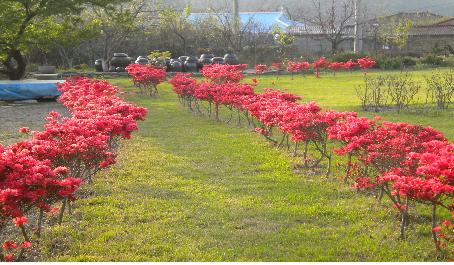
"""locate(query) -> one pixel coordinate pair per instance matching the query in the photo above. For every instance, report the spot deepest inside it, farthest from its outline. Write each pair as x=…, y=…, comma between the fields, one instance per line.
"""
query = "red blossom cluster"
x=221, y=87
x=348, y=65
x=297, y=67
x=444, y=239
x=49, y=168
x=278, y=66
x=260, y=68
x=147, y=77
x=366, y=63
x=219, y=73
x=410, y=164
x=407, y=163
x=318, y=65
x=336, y=66
x=322, y=63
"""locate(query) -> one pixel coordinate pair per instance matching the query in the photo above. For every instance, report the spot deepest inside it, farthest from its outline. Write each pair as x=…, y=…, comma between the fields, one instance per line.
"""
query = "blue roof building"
x=266, y=20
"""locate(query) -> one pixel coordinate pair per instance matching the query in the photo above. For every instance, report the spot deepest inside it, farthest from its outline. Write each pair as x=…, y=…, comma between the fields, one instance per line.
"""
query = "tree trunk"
x=15, y=65
x=105, y=65
x=333, y=46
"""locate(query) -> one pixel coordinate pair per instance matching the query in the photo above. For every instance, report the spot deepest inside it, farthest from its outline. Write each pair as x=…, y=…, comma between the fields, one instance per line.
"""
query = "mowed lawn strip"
x=187, y=188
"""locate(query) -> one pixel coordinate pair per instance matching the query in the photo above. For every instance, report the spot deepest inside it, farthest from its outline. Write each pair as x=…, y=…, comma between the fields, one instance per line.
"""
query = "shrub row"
x=399, y=91
x=49, y=168
x=393, y=62
x=295, y=67
x=409, y=164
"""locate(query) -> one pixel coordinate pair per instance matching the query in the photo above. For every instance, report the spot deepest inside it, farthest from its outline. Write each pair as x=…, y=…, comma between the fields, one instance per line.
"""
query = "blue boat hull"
x=29, y=89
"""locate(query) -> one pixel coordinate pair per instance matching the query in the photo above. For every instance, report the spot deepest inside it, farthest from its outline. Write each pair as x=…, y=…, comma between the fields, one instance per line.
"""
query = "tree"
x=75, y=31
x=333, y=20
x=284, y=40
x=395, y=33
x=178, y=24
x=25, y=24
x=118, y=24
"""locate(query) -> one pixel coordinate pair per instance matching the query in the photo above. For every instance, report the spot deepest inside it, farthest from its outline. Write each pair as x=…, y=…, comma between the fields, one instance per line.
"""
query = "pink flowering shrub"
x=297, y=67
x=409, y=164
x=336, y=66
x=147, y=77
x=366, y=63
x=219, y=73
x=349, y=65
x=319, y=65
x=260, y=68
x=50, y=167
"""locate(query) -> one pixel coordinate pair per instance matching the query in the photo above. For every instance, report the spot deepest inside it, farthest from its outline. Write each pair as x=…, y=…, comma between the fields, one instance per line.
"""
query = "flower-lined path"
x=190, y=189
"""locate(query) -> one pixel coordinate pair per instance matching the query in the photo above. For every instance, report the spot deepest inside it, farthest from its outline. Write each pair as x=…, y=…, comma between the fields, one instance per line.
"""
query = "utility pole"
x=236, y=20
x=236, y=16
x=355, y=37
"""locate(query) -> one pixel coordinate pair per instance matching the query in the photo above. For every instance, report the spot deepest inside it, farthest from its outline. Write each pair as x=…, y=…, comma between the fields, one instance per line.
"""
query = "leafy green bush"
x=82, y=67
x=389, y=63
x=32, y=67
x=409, y=61
x=449, y=61
x=346, y=56
x=434, y=60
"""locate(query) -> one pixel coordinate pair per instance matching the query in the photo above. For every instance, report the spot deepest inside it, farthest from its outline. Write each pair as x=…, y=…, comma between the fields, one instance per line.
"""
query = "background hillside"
x=373, y=7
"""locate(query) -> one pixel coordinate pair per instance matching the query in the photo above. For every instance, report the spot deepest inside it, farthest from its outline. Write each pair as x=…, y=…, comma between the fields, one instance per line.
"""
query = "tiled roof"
x=432, y=30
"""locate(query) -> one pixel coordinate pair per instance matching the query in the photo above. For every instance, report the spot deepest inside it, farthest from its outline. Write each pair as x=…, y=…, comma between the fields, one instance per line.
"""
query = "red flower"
x=436, y=229
x=24, y=130
x=260, y=68
x=366, y=62
x=9, y=257
x=26, y=244
x=7, y=245
x=20, y=221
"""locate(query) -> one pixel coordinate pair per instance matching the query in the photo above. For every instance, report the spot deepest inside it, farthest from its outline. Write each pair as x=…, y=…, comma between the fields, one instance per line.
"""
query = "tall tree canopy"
x=25, y=24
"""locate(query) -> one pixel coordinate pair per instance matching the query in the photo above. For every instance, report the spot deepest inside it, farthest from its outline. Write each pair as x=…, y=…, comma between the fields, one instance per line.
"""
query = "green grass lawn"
x=187, y=188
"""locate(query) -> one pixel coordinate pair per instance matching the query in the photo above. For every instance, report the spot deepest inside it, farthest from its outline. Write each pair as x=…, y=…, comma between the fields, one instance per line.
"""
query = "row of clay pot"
x=120, y=61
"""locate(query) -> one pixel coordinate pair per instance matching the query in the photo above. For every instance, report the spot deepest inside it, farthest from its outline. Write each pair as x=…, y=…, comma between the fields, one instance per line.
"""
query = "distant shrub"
x=409, y=61
x=440, y=88
x=373, y=94
x=32, y=67
x=346, y=56
x=389, y=63
x=381, y=92
x=432, y=59
x=449, y=61
x=82, y=67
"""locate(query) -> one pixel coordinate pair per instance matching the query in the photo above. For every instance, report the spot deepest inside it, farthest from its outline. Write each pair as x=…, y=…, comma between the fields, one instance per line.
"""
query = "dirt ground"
x=24, y=114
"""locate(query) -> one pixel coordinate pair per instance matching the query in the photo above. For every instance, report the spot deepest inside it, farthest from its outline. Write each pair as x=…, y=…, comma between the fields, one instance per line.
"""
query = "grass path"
x=190, y=189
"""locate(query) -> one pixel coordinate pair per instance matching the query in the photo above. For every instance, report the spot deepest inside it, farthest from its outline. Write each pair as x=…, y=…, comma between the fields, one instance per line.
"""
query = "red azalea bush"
x=349, y=64
x=50, y=167
x=297, y=67
x=318, y=65
x=322, y=63
x=260, y=68
x=184, y=86
x=147, y=77
x=278, y=66
x=223, y=73
x=366, y=63
x=336, y=66
x=409, y=164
